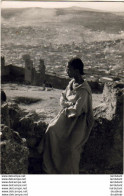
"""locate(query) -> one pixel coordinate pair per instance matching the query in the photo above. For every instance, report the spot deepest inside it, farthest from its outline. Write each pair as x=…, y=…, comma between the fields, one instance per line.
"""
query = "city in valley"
x=56, y=35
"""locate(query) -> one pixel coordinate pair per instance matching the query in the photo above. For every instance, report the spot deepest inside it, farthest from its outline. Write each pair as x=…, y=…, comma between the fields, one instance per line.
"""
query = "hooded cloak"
x=68, y=132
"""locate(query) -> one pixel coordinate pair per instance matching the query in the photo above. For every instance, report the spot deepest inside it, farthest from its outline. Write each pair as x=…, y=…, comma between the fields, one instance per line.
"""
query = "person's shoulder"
x=86, y=87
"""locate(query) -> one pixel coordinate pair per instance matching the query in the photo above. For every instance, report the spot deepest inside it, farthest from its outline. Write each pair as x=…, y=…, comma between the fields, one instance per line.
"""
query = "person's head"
x=75, y=67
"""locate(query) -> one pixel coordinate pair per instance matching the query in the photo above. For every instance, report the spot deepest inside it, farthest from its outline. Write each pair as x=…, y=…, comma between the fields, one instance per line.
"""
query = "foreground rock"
x=14, y=152
x=103, y=153
x=32, y=127
x=19, y=148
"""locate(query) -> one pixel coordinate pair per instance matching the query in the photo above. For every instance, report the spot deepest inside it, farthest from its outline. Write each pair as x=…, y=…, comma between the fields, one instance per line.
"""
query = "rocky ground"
x=12, y=145
x=30, y=109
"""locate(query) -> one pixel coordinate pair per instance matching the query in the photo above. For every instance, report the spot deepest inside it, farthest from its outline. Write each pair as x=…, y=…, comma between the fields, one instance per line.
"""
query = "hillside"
x=58, y=34
x=94, y=20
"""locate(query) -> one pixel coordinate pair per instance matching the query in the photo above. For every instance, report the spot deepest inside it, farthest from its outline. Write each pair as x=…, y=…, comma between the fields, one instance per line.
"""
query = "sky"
x=102, y=6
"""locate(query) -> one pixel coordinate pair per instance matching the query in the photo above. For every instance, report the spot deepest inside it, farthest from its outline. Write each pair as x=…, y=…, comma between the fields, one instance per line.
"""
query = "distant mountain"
x=91, y=19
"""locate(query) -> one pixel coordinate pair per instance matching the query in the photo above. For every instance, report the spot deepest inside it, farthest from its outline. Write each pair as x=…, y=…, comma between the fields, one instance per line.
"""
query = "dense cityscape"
x=59, y=38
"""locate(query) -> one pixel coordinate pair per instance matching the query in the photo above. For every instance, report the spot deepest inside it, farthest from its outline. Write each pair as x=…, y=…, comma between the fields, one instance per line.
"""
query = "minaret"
x=42, y=69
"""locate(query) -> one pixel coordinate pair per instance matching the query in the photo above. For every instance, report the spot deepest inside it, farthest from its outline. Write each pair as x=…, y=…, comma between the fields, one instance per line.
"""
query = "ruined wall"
x=16, y=71
x=37, y=78
x=2, y=64
x=42, y=69
x=56, y=81
x=39, y=74
x=36, y=75
x=4, y=69
x=62, y=82
x=11, y=72
x=28, y=68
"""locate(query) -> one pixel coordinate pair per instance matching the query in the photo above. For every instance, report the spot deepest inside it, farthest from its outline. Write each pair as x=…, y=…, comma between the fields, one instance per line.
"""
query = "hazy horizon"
x=97, y=6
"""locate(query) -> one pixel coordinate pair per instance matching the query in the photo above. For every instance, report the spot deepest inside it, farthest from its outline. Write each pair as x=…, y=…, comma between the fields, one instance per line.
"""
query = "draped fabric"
x=69, y=130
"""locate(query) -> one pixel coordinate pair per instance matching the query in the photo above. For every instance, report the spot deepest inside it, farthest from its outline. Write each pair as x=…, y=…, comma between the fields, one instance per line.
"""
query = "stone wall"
x=16, y=71
x=28, y=68
x=56, y=81
x=60, y=82
x=37, y=75
x=42, y=69
x=4, y=69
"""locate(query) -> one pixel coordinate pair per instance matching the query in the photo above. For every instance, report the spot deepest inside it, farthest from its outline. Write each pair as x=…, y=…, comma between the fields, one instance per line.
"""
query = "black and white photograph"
x=62, y=87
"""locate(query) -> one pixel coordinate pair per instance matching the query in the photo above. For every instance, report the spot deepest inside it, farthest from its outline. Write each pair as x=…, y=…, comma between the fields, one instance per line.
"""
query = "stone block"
x=103, y=153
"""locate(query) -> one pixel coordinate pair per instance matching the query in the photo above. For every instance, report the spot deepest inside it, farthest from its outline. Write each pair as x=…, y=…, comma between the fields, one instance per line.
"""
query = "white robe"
x=69, y=130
